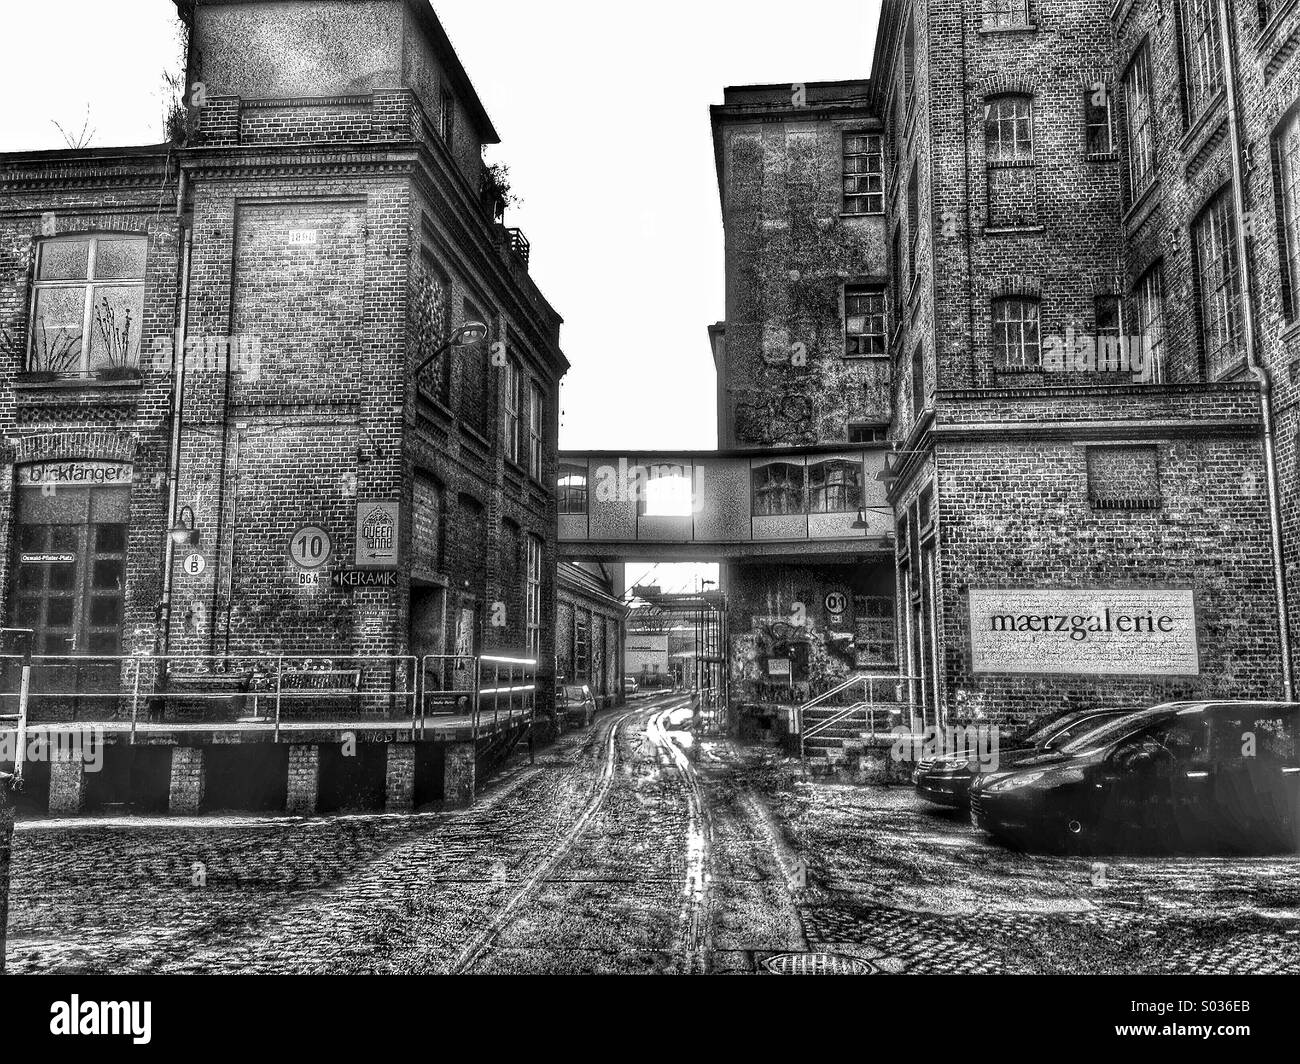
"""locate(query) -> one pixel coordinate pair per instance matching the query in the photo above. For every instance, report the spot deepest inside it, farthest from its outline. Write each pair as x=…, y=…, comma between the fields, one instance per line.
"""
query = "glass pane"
x=62, y=577
x=31, y=537
x=120, y=258
x=105, y=610
x=58, y=612
x=107, y=575
x=56, y=329
x=115, y=326
x=64, y=537
x=29, y=612
x=64, y=260
x=31, y=577
x=104, y=642
x=110, y=539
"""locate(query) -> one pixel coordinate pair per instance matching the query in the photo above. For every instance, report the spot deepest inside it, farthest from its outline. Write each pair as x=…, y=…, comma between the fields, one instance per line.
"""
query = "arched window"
x=834, y=486
x=778, y=489
x=88, y=304
x=572, y=489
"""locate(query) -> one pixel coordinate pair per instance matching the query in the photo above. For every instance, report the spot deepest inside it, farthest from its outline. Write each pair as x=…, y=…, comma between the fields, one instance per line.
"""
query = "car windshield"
x=575, y=693
x=1113, y=728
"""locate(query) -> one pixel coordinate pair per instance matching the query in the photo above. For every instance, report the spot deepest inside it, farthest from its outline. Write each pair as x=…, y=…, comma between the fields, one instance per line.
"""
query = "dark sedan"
x=947, y=780
x=1182, y=777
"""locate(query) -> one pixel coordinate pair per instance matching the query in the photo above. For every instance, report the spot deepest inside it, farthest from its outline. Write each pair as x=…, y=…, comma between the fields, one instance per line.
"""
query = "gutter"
x=1257, y=369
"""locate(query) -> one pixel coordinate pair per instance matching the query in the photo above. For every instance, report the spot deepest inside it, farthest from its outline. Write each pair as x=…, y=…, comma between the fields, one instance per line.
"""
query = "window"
x=533, y=596
x=1286, y=185
x=1009, y=130
x=778, y=489
x=864, y=174
x=1000, y=14
x=1140, y=127
x=834, y=486
x=669, y=491
x=913, y=221
x=536, y=418
x=918, y=381
x=1218, y=285
x=473, y=362
x=581, y=646
x=1202, y=54
x=446, y=114
x=1016, y=334
x=87, y=304
x=909, y=59
x=864, y=322
x=867, y=432
x=1099, y=138
x=896, y=272
x=572, y=491
x=1149, y=316
x=874, y=616
x=1107, y=316
x=513, y=379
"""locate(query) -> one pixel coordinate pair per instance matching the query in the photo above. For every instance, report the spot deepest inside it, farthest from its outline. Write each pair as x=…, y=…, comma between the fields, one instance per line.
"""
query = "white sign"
x=194, y=564
x=310, y=548
x=75, y=474
x=302, y=237
x=377, y=525
x=1098, y=632
x=836, y=603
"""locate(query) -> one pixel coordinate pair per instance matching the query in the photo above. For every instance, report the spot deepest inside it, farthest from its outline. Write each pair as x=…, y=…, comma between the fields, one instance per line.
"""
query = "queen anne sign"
x=377, y=527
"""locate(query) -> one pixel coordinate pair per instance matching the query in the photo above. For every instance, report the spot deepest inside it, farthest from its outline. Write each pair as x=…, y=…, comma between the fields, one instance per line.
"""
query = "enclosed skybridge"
x=772, y=503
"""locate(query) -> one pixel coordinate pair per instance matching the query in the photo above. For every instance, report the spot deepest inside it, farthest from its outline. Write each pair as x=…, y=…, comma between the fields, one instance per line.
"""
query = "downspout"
x=1259, y=371
x=174, y=457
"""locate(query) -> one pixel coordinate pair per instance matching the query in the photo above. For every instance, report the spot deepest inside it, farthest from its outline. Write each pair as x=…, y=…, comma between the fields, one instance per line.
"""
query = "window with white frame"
x=1009, y=129
x=1286, y=184
x=1003, y=14
x=864, y=174
x=513, y=380
x=536, y=417
x=1149, y=319
x=1016, y=334
x=1219, y=285
x=864, y=322
x=1202, y=54
x=87, y=304
x=571, y=491
x=1140, y=125
x=533, y=596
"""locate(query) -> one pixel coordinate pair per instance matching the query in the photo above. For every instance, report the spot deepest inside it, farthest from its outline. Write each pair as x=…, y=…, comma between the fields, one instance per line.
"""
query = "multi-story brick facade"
x=325, y=227
x=589, y=628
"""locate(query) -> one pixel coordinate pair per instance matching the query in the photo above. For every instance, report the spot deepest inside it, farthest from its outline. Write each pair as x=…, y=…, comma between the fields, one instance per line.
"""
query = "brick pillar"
x=399, y=787
x=67, y=785
x=6, y=843
x=459, y=770
x=304, y=780
x=189, y=779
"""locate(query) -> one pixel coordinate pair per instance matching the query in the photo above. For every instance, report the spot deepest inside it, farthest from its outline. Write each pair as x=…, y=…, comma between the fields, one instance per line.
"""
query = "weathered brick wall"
x=789, y=253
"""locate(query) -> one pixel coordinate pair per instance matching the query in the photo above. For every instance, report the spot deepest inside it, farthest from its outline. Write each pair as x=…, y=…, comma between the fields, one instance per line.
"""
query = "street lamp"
x=183, y=532
x=469, y=333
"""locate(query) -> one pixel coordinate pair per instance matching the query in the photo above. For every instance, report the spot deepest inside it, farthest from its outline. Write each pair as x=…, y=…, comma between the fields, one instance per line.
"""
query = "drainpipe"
x=174, y=458
x=1258, y=370
x=6, y=849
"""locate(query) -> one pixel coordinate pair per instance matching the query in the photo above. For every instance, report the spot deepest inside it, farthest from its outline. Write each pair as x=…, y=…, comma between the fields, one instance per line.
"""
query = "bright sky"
x=603, y=113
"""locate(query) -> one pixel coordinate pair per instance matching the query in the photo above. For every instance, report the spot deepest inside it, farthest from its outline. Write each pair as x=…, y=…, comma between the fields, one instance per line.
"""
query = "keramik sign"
x=1122, y=632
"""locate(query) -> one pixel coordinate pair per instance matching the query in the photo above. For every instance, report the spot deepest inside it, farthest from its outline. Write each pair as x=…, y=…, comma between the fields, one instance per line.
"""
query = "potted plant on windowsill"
x=117, y=343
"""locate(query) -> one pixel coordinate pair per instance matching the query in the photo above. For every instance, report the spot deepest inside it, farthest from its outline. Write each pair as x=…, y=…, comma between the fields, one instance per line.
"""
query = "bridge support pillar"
x=460, y=769
x=188, y=780
x=399, y=783
x=67, y=784
x=304, y=780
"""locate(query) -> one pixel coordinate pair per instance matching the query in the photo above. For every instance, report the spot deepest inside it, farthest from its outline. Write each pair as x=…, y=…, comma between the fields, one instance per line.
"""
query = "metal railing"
x=453, y=686
x=868, y=706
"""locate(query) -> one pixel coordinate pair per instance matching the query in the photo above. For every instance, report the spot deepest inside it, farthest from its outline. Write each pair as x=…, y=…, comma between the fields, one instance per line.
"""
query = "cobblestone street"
x=620, y=850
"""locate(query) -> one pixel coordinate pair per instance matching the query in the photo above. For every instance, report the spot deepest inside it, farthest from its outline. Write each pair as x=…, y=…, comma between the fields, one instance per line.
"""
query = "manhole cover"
x=817, y=964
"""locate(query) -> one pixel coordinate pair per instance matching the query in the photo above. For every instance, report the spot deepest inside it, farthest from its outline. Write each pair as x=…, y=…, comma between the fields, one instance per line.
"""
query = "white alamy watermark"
x=84, y=744
x=975, y=744
x=1081, y=352
x=133, y=1019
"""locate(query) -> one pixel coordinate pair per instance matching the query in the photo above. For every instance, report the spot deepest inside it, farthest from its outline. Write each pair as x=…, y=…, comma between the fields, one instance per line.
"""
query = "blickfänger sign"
x=1123, y=632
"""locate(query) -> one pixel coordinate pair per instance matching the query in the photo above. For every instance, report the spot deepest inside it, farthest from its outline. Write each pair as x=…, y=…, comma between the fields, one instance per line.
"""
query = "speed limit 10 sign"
x=310, y=548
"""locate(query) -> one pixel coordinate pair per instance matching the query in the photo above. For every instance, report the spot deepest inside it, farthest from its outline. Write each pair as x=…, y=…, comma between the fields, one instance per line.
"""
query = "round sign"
x=194, y=564
x=310, y=548
x=837, y=603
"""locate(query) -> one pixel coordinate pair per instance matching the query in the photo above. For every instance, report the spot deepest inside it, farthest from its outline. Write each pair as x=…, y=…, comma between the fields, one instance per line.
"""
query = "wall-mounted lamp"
x=184, y=533
x=469, y=333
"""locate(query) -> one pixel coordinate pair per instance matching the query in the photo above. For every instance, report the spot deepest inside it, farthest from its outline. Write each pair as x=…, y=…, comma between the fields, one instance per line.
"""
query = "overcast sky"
x=603, y=113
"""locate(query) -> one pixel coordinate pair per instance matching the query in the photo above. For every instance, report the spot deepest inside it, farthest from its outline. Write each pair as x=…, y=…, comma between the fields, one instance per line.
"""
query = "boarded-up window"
x=1123, y=478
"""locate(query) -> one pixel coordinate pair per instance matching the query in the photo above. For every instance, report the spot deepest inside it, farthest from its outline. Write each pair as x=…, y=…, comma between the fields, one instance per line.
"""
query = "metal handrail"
x=867, y=707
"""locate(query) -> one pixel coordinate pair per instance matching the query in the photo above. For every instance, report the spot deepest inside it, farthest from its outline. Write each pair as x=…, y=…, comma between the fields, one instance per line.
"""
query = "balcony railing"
x=519, y=246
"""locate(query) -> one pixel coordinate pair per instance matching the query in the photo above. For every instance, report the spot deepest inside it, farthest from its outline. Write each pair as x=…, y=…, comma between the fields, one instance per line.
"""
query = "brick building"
x=589, y=628
x=326, y=225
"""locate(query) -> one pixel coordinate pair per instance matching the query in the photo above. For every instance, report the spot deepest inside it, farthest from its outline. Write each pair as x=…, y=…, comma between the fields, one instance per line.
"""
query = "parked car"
x=1181, y=777
x=576, y=703
x=630, y=686
x=947, y=780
